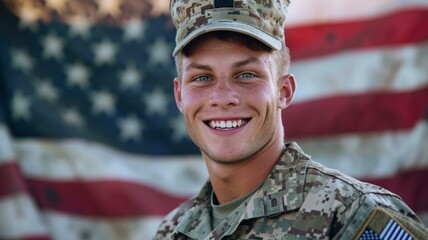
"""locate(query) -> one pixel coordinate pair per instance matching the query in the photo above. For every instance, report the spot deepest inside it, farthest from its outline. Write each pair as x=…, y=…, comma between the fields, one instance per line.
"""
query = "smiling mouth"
x=226, y=125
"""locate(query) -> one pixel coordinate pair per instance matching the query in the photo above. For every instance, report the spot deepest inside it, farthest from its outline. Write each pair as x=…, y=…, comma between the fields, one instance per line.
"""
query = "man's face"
x=231, y=99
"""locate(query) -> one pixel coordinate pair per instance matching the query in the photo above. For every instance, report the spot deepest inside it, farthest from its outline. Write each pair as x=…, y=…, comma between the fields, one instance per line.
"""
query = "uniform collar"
x=281, y=192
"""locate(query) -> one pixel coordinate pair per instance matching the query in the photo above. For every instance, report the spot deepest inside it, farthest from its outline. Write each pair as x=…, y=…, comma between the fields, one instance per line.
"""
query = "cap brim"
x=233, y=27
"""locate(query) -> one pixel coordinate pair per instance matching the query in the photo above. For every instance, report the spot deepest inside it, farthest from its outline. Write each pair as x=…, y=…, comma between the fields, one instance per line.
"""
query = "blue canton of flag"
x=369, y=235
x=106, y=79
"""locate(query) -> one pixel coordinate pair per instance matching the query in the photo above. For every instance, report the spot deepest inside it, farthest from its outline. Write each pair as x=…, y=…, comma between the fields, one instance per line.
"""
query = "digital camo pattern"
x=299, y=199
x=266, y=15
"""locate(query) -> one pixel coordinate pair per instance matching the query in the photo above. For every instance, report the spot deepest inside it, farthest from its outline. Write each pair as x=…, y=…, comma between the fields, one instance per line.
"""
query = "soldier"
x=232, y=84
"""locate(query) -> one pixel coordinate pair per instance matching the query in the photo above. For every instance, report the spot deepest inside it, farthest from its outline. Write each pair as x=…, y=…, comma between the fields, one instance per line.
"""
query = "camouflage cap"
x=261, y=19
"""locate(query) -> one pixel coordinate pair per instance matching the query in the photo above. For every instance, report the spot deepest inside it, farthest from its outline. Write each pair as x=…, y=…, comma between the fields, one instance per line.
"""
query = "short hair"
x=281, y=57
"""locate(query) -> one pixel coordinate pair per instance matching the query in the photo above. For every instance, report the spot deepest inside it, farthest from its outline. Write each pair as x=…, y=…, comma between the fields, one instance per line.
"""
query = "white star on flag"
x=77, y=74
x=21, y=106
x=130, y=128
x=80, y=26
x=156, y=102
x=179, y=129
x=46, y=90
x=103, y=102
x=52, y=46
x=159, y=52
x=72, y=117
x=105, y=52
x=21, y=60
x=130, y=78
x=134, y=29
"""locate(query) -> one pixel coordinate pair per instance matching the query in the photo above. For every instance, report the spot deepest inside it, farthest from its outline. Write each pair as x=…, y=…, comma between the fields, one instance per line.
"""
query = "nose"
x=224, y=95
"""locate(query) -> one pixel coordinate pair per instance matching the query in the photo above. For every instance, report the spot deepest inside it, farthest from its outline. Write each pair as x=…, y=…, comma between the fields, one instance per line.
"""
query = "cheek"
x=191, y=101
x=265, y=95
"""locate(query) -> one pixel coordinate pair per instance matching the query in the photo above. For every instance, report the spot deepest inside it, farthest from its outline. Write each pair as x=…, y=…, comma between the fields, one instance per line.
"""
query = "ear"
x=286, y=88
x=177, y=93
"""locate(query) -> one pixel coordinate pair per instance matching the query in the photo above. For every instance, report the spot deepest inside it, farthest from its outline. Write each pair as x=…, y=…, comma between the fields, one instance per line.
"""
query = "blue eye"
x=247, y=75
x=202, y=78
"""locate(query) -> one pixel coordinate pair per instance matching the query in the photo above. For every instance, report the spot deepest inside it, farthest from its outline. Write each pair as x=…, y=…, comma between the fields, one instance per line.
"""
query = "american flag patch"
x=391, y=231
x=384, y=224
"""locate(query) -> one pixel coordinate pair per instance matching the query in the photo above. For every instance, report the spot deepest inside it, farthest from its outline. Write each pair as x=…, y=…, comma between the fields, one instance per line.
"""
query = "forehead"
x=218, y=52
x=226, y=36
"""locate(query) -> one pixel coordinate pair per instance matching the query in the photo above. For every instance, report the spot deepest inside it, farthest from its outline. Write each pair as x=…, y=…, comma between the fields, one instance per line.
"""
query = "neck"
x=233, y=180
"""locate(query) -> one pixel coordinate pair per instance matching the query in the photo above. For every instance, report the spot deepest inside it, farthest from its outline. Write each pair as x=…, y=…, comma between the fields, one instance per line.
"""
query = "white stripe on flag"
x=310, y=12
x=19, y=218
x=79, y=159
x=400, y=150
x=392, y=69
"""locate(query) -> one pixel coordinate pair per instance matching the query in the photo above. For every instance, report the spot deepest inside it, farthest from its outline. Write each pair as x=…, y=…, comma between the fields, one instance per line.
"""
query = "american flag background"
x=92, y=145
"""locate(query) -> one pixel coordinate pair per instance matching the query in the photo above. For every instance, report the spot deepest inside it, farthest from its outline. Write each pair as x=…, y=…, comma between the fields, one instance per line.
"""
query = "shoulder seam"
x=350, y=181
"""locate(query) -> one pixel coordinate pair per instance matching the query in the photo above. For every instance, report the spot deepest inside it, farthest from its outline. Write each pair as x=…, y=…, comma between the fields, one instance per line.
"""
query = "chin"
x=224, y=157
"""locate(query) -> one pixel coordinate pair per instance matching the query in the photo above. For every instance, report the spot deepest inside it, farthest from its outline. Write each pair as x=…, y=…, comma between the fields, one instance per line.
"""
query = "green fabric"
x=220, y=212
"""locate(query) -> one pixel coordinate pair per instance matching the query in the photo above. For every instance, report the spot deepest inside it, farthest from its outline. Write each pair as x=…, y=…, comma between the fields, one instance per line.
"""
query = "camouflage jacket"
x=299, y=199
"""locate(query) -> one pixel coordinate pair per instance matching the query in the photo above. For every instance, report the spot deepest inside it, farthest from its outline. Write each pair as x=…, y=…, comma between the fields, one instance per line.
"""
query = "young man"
x=232, y=85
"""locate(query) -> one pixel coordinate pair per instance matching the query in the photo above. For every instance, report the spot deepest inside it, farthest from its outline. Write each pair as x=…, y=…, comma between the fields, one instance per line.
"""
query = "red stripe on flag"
x=11, y=179
x=28, y=238
x=358, y=113
x=407, y=26
x=102, y=198
x=112, y=198
x=410, y=185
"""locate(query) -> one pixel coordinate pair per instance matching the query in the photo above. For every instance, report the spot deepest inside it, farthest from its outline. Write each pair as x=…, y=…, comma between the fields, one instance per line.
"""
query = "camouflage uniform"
x=299, y=199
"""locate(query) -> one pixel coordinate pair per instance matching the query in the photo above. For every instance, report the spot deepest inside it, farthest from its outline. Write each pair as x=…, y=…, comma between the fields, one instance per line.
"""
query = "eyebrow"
x=197, y=66
x=246, y=62
x=234, y=65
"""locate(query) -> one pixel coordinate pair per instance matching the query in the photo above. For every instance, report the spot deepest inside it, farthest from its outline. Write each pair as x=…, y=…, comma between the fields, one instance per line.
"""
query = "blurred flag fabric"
x=93, y=147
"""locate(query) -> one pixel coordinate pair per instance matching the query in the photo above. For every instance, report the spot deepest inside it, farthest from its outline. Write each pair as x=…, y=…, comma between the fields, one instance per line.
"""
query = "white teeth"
x=226, y=125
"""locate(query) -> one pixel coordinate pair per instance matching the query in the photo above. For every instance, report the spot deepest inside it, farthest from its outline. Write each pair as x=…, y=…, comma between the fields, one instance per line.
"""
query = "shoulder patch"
x=387, y=224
